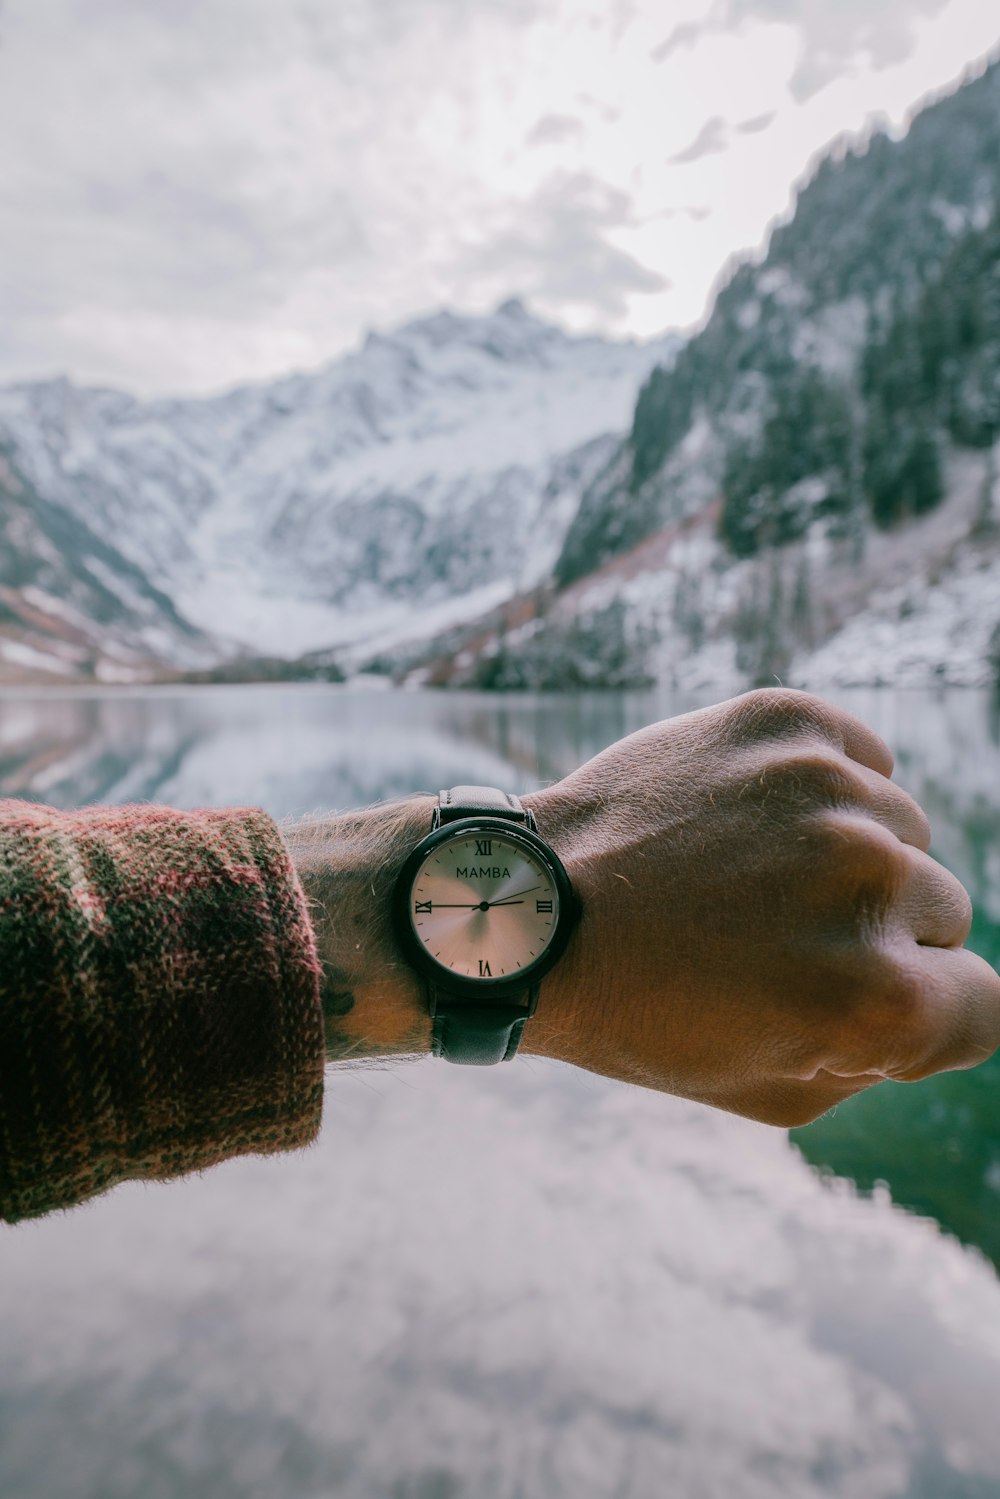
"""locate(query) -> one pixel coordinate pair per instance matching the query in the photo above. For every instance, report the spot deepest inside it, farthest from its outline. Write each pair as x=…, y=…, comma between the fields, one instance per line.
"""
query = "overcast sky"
x=199, y=192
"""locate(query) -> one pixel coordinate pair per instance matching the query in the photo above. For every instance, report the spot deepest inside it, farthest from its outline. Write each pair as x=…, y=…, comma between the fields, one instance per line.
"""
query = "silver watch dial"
x=484, y=906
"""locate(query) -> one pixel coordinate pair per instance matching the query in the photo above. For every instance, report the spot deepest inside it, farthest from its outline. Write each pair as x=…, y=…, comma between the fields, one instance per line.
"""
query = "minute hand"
x=515, y=899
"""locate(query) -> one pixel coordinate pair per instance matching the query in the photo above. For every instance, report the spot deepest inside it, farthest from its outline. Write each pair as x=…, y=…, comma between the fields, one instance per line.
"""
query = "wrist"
x=373, y=1003
x=559, y=1019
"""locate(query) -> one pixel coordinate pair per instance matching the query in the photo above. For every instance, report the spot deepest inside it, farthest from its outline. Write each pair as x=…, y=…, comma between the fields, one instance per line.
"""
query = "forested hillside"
x=873, y=300
x=823, y=450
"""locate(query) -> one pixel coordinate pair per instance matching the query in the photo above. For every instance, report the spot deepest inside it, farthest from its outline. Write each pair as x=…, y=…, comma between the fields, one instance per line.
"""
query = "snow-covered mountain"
x=809, y=490
x=434, y=471
x=72, y=605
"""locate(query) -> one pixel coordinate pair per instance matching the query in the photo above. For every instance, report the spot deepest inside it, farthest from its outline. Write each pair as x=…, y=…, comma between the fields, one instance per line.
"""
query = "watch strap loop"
x=480, y=801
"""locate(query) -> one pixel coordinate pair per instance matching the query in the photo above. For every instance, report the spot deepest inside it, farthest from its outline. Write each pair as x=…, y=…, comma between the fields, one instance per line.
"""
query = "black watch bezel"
x=484, y=990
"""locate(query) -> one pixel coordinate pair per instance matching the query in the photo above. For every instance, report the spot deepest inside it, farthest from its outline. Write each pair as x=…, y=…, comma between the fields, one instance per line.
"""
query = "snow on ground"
x=227, y=605
x=253, y=510
x=27, y=656
x=914, y=637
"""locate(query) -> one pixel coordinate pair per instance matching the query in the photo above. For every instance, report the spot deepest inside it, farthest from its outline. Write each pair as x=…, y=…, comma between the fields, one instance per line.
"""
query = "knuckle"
x=897, y=993
x=852, y=874
x=774, y=712
x=881, y=1027
x=921, y=822
x=860, y=855
x=953, y=905
x=814, y=776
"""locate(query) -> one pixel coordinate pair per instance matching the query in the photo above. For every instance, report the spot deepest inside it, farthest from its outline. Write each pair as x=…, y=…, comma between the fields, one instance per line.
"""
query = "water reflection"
x=526, y=1284
x=290, y=749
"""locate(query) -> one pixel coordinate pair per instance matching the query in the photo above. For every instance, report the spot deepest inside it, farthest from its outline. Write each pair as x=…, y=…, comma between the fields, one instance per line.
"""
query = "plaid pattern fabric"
x=159, y=998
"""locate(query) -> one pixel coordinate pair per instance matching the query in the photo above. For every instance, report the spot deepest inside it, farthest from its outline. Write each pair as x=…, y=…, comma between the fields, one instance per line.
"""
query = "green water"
x=936, y=1144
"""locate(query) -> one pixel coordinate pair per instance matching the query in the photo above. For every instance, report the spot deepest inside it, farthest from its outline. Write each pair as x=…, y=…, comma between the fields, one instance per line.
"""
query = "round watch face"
x=484, y=904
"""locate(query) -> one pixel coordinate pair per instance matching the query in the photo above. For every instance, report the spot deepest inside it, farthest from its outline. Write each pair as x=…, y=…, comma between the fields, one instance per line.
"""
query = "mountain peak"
x=511, y=320
x=514, y=307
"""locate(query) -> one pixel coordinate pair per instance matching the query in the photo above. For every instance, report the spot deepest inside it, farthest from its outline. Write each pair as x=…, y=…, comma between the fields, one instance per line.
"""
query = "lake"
x=529, y=1283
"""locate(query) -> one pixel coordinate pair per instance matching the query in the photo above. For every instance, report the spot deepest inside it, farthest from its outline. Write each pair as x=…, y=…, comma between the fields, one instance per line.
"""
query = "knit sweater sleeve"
x=159, y=998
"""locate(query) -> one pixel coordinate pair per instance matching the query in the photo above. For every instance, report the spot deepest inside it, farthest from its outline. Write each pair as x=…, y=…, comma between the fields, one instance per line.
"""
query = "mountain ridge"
x=436, y=461
x=490, y=500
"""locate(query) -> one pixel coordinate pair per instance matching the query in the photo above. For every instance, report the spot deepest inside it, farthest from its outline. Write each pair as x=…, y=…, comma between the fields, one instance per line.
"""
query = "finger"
x=892, y=806
x=862, y=744
x=959, y=1024
x=934, y=905
x=924, y=1010
x=780, y=712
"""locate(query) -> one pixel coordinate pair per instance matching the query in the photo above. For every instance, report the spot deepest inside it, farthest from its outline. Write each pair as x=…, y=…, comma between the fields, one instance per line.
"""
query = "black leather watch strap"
x=477, y=1034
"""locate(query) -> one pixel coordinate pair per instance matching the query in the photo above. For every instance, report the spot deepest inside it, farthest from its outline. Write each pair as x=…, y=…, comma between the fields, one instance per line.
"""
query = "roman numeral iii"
x=542, y=906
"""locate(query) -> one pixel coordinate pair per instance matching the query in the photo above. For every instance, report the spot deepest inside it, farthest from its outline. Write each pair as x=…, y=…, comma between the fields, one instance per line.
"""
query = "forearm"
x=169, y=988
x=373, y=1003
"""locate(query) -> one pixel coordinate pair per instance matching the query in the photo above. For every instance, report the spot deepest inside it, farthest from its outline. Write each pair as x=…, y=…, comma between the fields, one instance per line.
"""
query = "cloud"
x=555, y=248
x=196, y=192
x=712, y=138
x=199, y=191
x=755, y=125
x=834, y=38
x=685, y=35
x=554, y=129
x=696, y=212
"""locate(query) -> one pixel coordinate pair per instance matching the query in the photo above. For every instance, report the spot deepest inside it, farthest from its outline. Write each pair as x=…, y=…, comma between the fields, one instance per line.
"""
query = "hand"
x=763, y=928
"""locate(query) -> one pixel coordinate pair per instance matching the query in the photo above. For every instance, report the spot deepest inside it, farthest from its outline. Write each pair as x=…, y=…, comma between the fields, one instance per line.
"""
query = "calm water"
x=529, y=1284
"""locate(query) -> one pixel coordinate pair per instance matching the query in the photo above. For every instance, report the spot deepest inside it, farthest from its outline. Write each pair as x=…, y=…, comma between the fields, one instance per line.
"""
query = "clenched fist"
x=763, y=927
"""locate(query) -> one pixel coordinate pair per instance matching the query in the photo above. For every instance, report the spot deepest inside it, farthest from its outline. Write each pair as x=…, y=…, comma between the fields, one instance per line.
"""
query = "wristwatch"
x=483, y=908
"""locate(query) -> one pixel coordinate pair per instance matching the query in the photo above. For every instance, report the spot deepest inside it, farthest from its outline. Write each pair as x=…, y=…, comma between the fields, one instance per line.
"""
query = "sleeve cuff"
x=159, y=998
